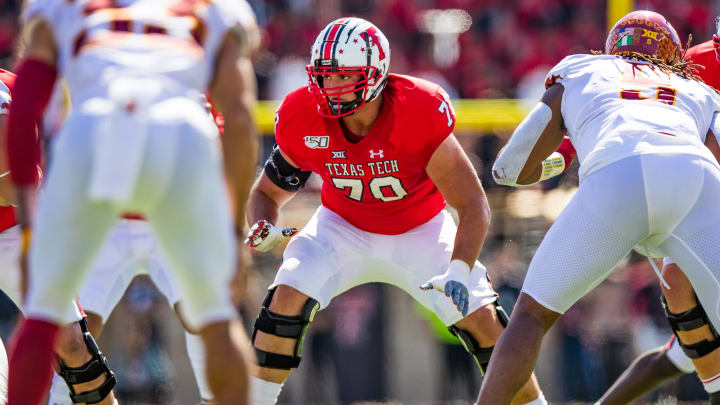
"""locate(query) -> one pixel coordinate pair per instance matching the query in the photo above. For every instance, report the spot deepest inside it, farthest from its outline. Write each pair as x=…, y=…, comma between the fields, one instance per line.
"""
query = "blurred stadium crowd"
x=372, y=343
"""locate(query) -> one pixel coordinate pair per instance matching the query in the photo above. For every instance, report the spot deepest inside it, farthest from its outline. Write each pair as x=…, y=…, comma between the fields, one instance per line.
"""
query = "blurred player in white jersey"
x=638, y=120
x=138, y=140
x=79, y=360
x=130, y=249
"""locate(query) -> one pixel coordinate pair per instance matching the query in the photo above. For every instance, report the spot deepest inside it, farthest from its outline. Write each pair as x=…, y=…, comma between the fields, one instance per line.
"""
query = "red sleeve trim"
x=567, y=150
x=31, y=93
x=551, y=80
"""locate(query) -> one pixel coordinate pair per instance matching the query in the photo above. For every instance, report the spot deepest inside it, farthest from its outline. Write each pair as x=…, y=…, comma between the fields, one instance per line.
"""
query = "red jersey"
x=7, y=80
x=7, y=217
x=379, y=183
x=704, y=54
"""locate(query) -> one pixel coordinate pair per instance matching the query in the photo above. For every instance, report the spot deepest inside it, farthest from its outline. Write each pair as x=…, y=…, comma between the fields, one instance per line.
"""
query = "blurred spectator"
x=506, y=41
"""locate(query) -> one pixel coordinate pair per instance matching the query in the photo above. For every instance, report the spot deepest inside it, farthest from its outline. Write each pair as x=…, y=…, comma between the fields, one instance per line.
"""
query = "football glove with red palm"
x=264, y=236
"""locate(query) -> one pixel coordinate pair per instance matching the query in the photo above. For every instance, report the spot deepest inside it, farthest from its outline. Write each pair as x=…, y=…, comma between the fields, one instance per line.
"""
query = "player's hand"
x=454, y=284
x=264, y=236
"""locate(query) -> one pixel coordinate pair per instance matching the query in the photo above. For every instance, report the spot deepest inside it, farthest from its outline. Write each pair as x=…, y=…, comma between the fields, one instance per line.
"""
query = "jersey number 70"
x=376, y=186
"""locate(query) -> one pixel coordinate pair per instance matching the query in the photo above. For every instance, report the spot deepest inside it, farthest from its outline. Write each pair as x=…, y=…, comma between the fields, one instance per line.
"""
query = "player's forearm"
x=557, y=163
x=472, y=230
x=26, y=200
x=529, y=177
x=240, y=149
x=261, y=206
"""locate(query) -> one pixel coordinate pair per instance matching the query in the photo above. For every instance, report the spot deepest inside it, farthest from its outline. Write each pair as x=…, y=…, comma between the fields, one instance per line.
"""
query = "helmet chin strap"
x=345, y=106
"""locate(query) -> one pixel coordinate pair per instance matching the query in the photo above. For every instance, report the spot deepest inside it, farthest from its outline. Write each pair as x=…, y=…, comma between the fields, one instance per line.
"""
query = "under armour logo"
x=378, y=154
x=338, y=154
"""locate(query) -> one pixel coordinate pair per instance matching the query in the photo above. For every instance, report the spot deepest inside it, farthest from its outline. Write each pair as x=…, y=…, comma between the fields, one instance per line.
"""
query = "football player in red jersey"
x=696, y=344
x=384, y=147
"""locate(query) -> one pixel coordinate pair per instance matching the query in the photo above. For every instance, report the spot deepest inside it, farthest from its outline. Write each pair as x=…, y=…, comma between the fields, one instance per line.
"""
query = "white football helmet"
x=348, y=46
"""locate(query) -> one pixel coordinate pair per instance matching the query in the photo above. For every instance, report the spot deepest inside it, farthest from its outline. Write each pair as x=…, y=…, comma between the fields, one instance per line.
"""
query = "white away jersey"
x=174, y=42
x=614, y=108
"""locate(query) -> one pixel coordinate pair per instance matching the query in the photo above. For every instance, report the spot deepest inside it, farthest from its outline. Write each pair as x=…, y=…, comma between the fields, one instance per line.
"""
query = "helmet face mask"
x=332, y=104
x=645, y=35
x=348, y=47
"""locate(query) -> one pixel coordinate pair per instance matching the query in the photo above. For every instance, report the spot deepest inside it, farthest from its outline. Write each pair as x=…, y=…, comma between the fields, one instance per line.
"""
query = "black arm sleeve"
x=283, y=174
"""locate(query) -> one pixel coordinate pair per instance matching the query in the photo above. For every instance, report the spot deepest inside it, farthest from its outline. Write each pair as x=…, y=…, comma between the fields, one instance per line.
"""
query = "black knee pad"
x=293, y=327
x=692, y=319
x=481, y=354
x=96, y=367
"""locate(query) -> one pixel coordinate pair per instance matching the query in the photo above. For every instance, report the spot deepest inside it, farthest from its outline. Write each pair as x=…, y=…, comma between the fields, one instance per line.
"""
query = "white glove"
x=264, y=236
x=454, y=284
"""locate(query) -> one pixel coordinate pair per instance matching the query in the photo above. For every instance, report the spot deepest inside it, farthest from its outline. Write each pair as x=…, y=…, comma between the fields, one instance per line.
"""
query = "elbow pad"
x=283, y=174
x=514, y=156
